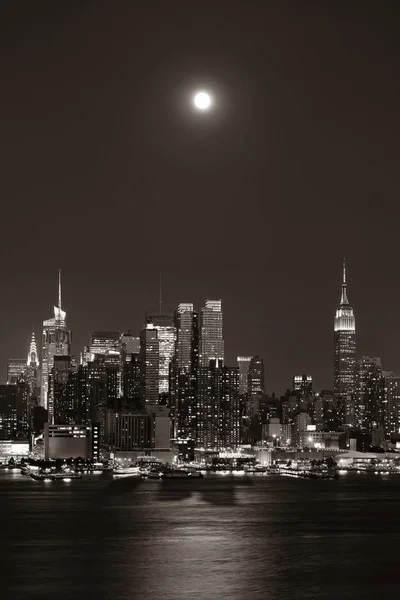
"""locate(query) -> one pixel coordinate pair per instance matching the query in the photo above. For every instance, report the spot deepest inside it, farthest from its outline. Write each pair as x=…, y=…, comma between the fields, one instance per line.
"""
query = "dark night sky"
x=108, y=173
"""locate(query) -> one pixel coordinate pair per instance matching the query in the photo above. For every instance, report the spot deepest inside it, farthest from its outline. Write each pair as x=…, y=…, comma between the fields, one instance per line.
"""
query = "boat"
x=55, y=476
x=167, y=473
x=273, y=470
x=131, y=470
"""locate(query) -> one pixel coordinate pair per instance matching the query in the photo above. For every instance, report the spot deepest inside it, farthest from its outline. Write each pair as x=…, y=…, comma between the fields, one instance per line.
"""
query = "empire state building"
x=345, y=345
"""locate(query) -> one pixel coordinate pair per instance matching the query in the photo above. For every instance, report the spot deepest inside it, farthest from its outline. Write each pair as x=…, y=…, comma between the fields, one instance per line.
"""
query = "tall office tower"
x=16, y=367
x=102, y=341
x=129, y=345
x=211, y=333
x=63, y=387
x=150, y=362
x=23, y=407
x=131, y=386
x=56, y=341
x=244, y=365
x=369, y=397
x=344, y=346
x=8, y=411
x=391, y=395
x=183, y=379
x=218, y=416
x=32, y=369
x=303, y=384
x=166, y=334
x=255, y=386
x=92, y=388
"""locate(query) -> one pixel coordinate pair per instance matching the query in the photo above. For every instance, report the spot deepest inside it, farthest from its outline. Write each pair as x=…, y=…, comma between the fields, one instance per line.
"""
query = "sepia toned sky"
x=108, y=172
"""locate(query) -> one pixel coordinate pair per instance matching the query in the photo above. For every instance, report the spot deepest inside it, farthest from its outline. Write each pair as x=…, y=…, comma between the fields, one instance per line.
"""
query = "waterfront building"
x=16, y=367
x=344, y=346
x=149, y=361
x=218, y=411
x=166, y=335
x=72, y=441
x=280, y=433
x=56, y=341
x=211, y=333
x=146, y=429
x=244, y=365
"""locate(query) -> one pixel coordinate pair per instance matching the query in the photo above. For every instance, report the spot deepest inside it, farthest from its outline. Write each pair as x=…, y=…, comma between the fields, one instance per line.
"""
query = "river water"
x=223, y=537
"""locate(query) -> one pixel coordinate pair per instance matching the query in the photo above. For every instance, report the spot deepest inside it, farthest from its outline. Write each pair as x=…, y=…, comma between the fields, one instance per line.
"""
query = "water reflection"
x=212, y=489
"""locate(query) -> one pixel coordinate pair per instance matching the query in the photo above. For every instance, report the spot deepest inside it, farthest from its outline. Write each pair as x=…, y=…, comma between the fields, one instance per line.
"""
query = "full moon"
x=202, y=100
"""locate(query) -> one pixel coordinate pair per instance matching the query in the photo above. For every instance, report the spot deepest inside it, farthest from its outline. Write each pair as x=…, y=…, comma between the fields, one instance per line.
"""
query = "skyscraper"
x=218, y=412
x=102, y=341
x=56, y=341
x=16, y=367
x=166, y=335
x=8, y=411
x=369, y=394
x=129, y=345
x=344, y=346
x=255, y=385
x=243, y=364
x=183, y=380
x=391, y=388
x=211, y=333
x=149, y=361
x=32, y=368
x=303, y=384
x=63, y=385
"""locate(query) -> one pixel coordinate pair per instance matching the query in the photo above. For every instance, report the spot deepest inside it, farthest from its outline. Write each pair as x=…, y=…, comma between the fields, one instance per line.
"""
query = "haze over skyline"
x=109, y=174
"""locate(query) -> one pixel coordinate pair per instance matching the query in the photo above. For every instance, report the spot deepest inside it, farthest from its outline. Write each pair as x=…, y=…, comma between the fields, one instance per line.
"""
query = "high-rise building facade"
x=183, y=380
x=56, y=341
x=218, y=412
x=211, y=333
x=63, y=385
x=149, y=361
x=303, y=384
x=391, y=388
x=16, y=367
x=166, y=335
x=344, y=346
x=244, y=365
x=255, y=386
x=129, y=345
x=8, y=411
x=103, y=341
x=369, y=394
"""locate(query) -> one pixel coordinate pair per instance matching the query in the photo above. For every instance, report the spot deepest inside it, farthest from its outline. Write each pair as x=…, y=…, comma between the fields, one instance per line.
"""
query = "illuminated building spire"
x=344, y=299
x=59, y=314
x=59, y=288
x=33, y=355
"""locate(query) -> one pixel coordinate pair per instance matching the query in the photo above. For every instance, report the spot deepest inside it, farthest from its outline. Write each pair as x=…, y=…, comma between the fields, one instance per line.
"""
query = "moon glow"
x=202, y=100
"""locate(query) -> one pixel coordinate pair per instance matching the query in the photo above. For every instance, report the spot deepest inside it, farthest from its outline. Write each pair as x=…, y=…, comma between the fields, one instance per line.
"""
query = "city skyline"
x=271, y=363
x=279, y=177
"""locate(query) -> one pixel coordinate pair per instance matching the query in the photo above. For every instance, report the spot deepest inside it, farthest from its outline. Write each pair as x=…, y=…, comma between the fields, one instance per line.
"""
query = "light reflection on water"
x=222, y=537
